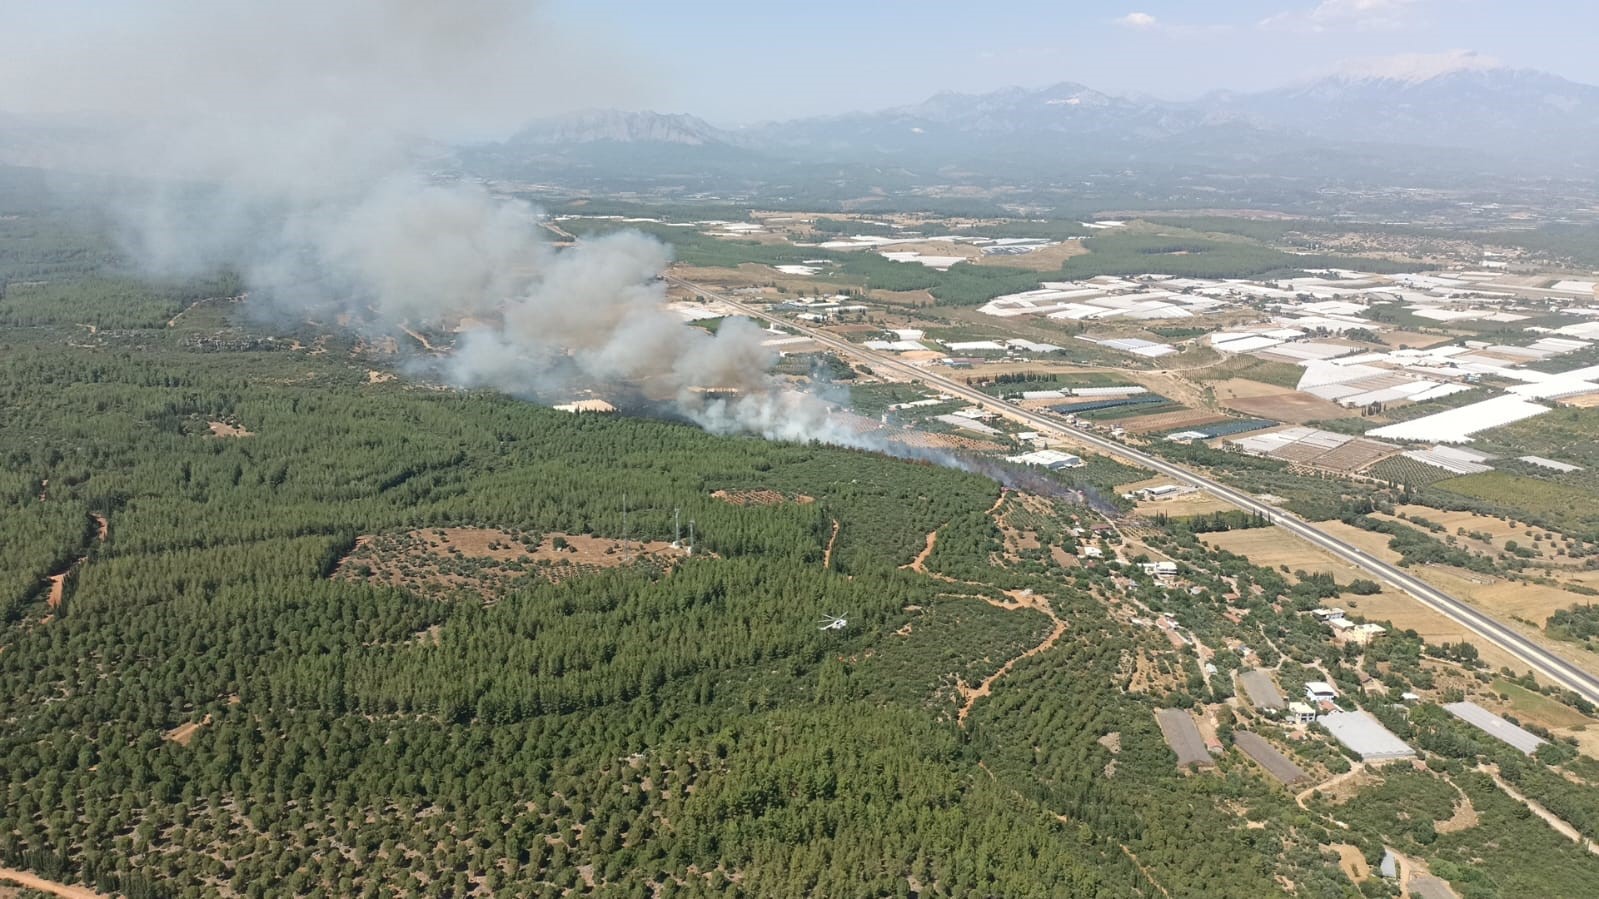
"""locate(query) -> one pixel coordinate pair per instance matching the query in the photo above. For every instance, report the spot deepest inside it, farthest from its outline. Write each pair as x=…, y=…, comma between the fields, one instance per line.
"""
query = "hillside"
x=278, y=619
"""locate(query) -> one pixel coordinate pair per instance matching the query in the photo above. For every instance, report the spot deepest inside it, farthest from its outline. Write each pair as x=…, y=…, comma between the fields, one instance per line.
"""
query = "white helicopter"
x=833, y=623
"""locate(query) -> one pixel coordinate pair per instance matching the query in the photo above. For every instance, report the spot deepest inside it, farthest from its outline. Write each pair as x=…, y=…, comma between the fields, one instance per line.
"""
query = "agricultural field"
x=487, y=561
x=1273, y=401
x=1561, y=505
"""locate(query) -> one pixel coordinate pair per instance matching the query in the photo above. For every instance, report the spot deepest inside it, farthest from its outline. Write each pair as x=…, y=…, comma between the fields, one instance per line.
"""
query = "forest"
x=203, y=696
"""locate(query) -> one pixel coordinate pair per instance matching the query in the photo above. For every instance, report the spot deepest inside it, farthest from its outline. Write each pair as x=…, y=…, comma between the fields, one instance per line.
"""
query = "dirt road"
x=49, y=886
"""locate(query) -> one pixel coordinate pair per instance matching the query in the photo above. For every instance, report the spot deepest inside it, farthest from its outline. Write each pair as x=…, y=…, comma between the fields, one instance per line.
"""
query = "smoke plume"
x=302, y=143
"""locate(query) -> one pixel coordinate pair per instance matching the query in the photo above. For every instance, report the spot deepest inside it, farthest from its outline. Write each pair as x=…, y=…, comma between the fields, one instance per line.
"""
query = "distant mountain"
x=1511, y=112
x=615, y=126
x=1390, y=117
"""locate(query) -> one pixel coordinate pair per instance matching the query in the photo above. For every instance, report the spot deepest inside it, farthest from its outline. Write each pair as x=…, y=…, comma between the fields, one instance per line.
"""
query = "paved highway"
x=1538, y=659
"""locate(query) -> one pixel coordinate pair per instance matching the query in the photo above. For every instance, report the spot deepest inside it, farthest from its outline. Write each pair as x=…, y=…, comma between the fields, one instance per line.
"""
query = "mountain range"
x=1446, y=123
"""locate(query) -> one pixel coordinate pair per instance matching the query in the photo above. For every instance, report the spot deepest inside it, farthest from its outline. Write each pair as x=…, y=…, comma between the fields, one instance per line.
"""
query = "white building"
x=1320, y=691
x=1054, y=460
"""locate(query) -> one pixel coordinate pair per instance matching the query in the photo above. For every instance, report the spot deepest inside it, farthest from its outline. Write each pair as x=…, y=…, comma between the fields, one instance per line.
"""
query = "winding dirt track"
x=35, y=882
x=58, y=581
x=1022, y=601
x=919, y=564
x=827, y=554
x=1560, y=825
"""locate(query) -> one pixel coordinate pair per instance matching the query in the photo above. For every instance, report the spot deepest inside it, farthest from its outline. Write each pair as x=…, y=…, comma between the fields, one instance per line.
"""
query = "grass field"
x=1535, y=707
x=1561, y=504
x=1279, y=374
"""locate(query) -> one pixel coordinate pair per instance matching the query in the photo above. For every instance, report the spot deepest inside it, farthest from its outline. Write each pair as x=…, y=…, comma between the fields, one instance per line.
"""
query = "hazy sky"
x=732, y=60
x=736, y=61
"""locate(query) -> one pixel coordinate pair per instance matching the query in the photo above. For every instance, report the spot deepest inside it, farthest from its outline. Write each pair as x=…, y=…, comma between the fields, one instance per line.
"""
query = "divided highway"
x=1540, y=660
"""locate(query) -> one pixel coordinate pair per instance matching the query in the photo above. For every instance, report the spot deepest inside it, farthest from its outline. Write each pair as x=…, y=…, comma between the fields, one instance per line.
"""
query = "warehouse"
x=1054, y=460
x=1495, y=726
x=1365, y=736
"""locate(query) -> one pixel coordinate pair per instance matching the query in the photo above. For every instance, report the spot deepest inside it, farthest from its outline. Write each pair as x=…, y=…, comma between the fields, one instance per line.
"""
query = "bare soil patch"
x=1413, y=339
x=1200, y=502
x=34, y=882
x=1586, y=401
x=760, y=498
x=485, y=561
x=223, y=429
x=1170, y=421
x=1351, y=861
x=1464, y=818
x=1276, y=403
x=919, y=564
x=184, y=733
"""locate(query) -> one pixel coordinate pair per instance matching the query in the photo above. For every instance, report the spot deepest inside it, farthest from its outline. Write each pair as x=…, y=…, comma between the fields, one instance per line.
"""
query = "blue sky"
x=734, y=61
x=757, y=59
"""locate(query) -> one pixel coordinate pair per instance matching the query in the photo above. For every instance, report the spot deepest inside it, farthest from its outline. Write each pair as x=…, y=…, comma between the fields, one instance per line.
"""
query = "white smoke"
x=297, y=142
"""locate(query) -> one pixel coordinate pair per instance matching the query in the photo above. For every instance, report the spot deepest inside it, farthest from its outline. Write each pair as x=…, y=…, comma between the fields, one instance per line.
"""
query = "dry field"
x=919, y=439
x=1275, y=402
x=1271, y=548
x=1044, y=259
x=1194, y=502
x=1412, y=339
x=1497, y=529
x=1197, y=503
x=760, y=498
x=1512, y=603
x=485, y=561
x=223, y=429
x=1503, y=598
x=1169, y=421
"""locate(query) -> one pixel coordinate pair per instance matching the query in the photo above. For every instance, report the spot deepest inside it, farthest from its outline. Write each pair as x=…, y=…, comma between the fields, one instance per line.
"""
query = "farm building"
x=964, y=423
x=1300, y=713
x=1365, y=736
x=1054, y=460
x=1320, y=691
x=1261, y=690
x=1495, y=726
x=1362, y=634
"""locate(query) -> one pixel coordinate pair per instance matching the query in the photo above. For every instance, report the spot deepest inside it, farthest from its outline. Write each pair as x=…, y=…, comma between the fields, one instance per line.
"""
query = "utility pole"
x=691, y=536
x=677, y=528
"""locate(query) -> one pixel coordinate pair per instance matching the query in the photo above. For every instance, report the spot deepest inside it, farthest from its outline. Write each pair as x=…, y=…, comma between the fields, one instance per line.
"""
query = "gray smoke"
x=299, y=143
